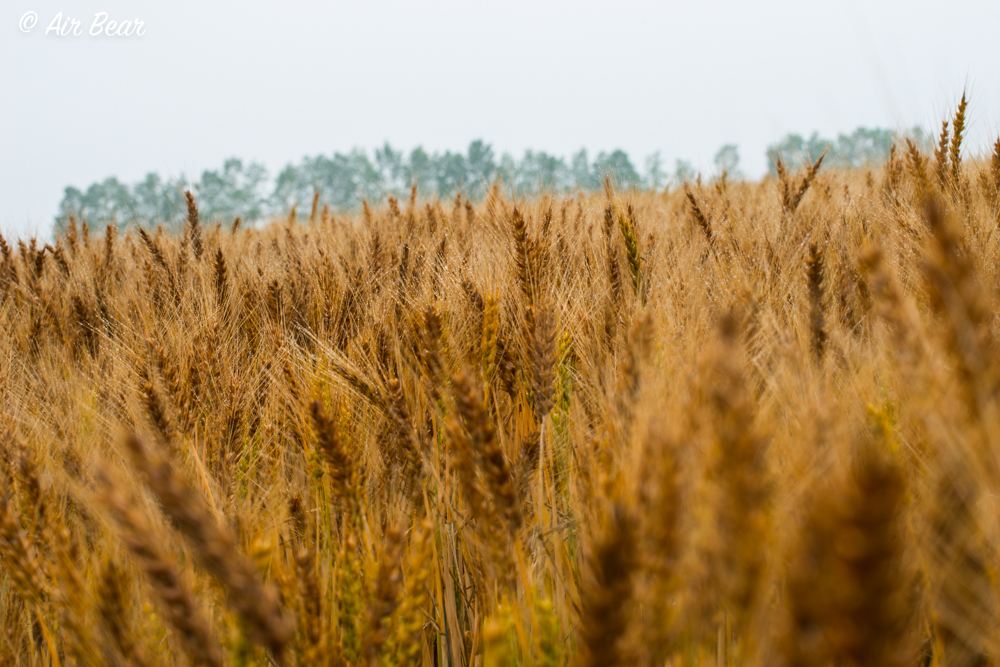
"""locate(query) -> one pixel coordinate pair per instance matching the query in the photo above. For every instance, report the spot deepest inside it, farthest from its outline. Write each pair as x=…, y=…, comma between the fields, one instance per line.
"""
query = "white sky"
x=274, y=81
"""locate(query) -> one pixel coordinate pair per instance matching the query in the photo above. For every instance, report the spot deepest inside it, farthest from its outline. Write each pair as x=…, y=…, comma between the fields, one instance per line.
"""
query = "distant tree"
x=366, y=178
x=507, y=167
x=450, y=172
x=862, y=147
x=420, y=170
x=655, y=177
x=333, y=177
x=160, y=202
x=296, y=185
x=343, y=179
x=617, y=165
x=683, y=172
x=336, y=178
x=235, y=191
x=797, y=152
x=727, y=161
x=150, y=201
x=71, y=205
x=539, y=171
x=391, y=167
x=103, y=202
x=481, y=166
x=288, y=187
x=583, y=176
x=921, y=139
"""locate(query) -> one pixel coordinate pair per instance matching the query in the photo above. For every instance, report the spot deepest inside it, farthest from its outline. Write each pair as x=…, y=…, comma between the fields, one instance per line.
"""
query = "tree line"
x=848, y=151
x=345, y=179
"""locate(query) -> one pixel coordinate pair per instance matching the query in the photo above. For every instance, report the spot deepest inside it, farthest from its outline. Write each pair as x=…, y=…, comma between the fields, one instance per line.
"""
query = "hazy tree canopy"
x=618, y=167
x=419, y=170
x=655, y=178
x=535, y=172
x=157, y=200
x=235, y=191
x=110, y=201
x=343, y=179
x=683, y=172
x=862, y=147
x=727, y=161
x=391, y=167
x=582, y=173
x=481, y=163
x=246, y=190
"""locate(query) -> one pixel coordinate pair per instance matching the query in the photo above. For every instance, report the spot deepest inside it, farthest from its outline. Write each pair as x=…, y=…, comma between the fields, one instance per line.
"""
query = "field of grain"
x=735, y=423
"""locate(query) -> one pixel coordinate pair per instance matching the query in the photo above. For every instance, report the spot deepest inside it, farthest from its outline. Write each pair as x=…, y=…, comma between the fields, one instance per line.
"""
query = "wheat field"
x=736, y=423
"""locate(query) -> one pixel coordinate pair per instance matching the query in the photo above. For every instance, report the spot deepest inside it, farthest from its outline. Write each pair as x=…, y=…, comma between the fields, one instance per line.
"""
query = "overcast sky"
x=275, y=81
